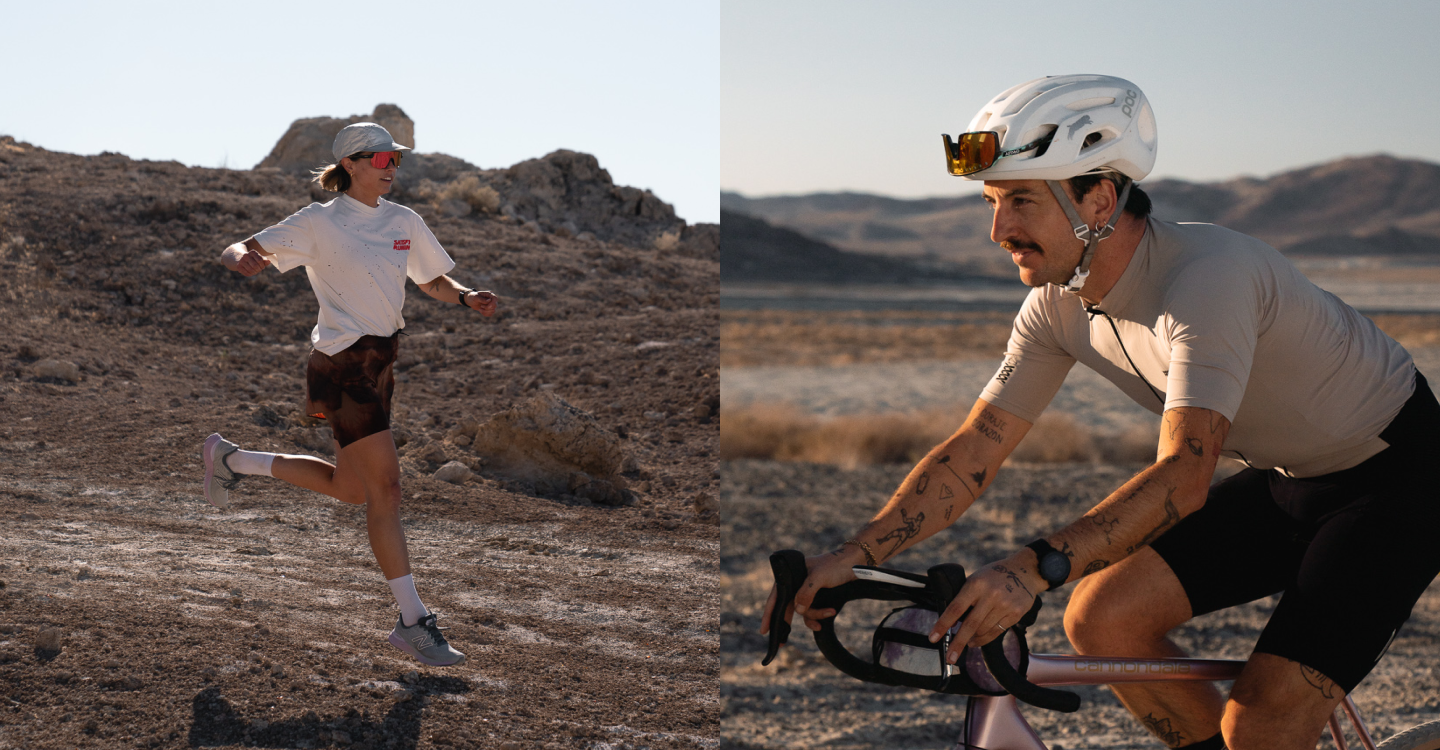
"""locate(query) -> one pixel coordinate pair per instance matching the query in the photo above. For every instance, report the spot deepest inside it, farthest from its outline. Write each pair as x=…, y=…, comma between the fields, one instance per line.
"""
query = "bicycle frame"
x=995, y=723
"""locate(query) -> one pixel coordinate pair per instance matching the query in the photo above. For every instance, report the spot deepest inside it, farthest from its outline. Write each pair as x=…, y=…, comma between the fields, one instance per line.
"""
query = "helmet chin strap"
x=1083, y=232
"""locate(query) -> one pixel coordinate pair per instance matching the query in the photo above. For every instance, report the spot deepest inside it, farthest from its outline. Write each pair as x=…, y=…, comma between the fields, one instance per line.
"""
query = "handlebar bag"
x=901, y=645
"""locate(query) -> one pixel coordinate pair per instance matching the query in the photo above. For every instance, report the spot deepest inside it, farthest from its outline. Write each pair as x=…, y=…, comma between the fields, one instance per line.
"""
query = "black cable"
x=1097, y=311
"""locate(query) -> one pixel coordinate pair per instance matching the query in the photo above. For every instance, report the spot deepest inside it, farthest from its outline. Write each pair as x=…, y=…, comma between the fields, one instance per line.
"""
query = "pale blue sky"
x=829, y=95
x=634, y=82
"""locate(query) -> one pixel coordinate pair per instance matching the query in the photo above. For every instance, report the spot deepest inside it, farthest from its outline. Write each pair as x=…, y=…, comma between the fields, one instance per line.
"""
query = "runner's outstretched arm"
x=449, y=290
x=941, y=487
x=247, y=258
x=1132, y=517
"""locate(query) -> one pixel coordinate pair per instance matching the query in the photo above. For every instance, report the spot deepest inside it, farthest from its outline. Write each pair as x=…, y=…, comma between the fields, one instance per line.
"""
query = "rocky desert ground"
x=868, y=371
x=132, y=614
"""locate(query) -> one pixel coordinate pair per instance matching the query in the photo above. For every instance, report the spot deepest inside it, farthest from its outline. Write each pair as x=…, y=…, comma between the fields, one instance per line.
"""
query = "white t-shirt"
x=357, y=258
x=1213, y=318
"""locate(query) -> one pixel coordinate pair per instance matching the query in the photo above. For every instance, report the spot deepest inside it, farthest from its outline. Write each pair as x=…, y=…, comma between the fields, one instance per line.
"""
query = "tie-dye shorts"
x=352, y=389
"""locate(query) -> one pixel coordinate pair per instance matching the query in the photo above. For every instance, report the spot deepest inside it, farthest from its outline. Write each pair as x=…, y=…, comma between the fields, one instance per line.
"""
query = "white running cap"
x=363, y=136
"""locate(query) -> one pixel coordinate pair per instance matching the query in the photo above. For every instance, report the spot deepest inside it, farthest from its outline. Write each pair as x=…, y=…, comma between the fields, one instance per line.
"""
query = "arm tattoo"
x=1196, y=447
x=922, y=483
x=1106, y=524
x=435, y=285
x=1320, y=682
x=945, y=461
x=1174, y=423
x=1172, y=516
x=1161, y=728
x=1014, y=579
x=1095, y=566
x=1066, y=551
x=990, y=426
x=909, y=529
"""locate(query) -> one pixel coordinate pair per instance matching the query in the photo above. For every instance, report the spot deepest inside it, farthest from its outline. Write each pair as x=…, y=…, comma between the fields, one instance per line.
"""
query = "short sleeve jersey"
x=1215, y=319
x=357, y=258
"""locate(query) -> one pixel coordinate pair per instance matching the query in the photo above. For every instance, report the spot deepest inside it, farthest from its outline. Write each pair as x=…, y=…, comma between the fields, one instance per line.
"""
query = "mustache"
x=1012, y=245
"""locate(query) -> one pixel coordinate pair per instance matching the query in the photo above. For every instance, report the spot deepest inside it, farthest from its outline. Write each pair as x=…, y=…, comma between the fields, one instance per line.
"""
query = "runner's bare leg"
x=366, y=472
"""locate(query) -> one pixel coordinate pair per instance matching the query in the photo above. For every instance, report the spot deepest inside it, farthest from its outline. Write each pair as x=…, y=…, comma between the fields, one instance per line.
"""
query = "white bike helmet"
x=1056, y=128
x=1094, y=123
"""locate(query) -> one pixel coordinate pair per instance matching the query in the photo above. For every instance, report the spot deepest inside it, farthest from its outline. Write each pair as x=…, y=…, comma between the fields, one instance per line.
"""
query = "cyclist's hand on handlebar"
x=826, y=571
x=996, y=597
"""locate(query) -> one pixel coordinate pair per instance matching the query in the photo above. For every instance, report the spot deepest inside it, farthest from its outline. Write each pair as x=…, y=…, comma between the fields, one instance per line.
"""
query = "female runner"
x=357, y=250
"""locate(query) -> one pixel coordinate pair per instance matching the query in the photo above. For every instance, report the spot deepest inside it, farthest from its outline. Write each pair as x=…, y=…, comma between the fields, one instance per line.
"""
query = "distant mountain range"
x=751, y=250
x=1373, y=205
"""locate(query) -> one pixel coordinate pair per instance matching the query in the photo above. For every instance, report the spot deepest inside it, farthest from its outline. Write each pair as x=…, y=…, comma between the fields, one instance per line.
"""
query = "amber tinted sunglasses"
x=976, y=152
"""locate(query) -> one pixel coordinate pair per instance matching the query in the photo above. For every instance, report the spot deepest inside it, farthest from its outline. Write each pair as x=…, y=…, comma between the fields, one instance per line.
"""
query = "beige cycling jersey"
x=1216, y=319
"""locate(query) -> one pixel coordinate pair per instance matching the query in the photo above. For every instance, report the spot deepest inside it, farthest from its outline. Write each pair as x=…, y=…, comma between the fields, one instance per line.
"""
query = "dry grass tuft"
x=780, y=432
x=468, y=189
x=465, y=190
x=1413, y=331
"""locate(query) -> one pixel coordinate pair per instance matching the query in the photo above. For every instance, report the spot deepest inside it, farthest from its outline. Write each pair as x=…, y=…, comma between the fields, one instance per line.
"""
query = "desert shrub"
x=760, y=431
x=853, y=441
x=1056, y=438
x=1136, y=445
x=465, y=189
x=781, y=432
x=468, y=189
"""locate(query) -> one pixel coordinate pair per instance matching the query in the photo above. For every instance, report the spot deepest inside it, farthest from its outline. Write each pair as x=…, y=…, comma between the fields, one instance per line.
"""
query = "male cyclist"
x=1241, y=356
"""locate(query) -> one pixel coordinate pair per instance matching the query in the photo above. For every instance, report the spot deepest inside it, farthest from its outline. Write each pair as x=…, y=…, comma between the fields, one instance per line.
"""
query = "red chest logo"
x=401, y=245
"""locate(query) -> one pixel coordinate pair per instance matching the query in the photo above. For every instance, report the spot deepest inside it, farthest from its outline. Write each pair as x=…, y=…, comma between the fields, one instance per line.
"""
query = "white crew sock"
x=251, y=462
x=411, y=609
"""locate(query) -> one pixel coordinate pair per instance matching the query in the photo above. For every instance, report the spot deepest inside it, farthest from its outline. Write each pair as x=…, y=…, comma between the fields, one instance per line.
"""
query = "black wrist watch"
x=1054, y=565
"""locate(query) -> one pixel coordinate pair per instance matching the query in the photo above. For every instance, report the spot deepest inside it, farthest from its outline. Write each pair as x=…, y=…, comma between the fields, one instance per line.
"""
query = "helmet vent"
x=1042, y=133
x=1084, y=104
x=1018, y=102
x=1147, y=126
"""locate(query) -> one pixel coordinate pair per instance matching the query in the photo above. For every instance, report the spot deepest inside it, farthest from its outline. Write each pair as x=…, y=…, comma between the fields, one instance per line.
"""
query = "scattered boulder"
x=306, y=145
x=557, y=447
x=49, y=639
x=706, y=503
x=58, y=369
x=320, y=440
x=454, y=472
x=268, y=416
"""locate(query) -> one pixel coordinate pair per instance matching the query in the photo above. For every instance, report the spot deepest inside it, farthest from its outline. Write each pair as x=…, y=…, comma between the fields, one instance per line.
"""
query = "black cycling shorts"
x=1352, y=550
x=352, y=389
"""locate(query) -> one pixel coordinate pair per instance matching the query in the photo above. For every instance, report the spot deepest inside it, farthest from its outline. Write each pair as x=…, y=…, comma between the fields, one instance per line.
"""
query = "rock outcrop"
x=564, y=192
x=306, y=145
x=557, y=447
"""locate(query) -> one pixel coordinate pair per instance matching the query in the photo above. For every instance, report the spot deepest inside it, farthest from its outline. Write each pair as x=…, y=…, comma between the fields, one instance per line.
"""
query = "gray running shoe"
x=424, y=642
x=219, y=479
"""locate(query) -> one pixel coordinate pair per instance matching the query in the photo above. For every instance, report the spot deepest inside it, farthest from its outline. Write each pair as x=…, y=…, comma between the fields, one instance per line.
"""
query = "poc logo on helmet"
x=1129, y=107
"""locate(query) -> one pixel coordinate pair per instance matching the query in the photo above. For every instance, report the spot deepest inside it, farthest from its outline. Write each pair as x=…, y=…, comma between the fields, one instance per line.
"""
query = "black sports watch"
x=1054, y=565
